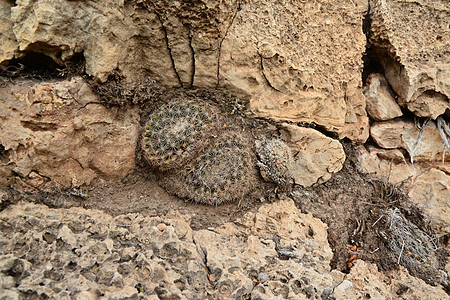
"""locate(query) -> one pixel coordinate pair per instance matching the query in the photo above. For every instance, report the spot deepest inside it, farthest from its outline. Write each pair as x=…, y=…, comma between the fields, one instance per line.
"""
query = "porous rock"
x=404, y=134
x=8, y=41
x=60, y=132
x=388, y=165
x=368, y=282
x=316, y=156
x=297, y=62
x=93, y=253
x=380, y=101
x=414, y=52
x=431, y=192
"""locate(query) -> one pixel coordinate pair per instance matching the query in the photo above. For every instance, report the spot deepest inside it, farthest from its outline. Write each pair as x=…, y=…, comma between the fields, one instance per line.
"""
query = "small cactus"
x=224, y=173
x=275, y=159
x=176, y=132
x=411, y=247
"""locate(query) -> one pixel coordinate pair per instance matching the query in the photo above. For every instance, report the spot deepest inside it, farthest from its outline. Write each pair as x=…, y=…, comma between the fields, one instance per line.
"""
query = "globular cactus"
x=224, y=173
x=274, y=160
x=177, y=132
x=411, y=247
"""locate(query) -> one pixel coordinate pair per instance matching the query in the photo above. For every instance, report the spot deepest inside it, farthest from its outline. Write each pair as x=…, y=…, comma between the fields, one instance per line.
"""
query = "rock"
x=291, y=69
x=296, y=62
x=9, y=47
x=429, y=185
x=161, y=226
x=403, y=134
x=414, y=52
x=127, y=262
x=316, y=156
x=380, y=101
x=262, y=277
x=60, y=132
x=385, y=164
x=368, y=282
x=431, y=193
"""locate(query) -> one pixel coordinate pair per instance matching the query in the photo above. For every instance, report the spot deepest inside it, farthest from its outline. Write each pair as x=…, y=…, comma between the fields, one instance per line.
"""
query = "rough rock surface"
x=298, y=61
x=316, y=156
x=86, y=253
x=384, y=164
x=278, y=53
x=414, y=52
x=403, y=134
x=8, y=40
x=59, y=131
x=381, y=105
x=429, y=185
x=364, y=280
x=431, y=192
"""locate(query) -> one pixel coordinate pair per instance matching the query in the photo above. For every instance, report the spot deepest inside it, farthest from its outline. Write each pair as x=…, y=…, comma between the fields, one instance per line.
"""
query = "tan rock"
x=365, y=281
x=380, y=101
x=290, y=69
x=316, y=156
x=431, y=193
x=288, y=246
x=109, y=34
x=404, y=134
x=385, y=164
x=414, y=52
x=9, y=46
x=59, y=132
x=265, y=51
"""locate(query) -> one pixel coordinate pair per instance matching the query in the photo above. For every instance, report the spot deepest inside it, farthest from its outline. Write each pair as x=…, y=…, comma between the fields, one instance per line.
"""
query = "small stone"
x=380, y=100
x=161, y=226
x=263, y=277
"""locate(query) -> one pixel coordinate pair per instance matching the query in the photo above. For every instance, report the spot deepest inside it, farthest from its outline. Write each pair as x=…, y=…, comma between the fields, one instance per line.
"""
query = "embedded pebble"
x=263, y=277
x=161, y=226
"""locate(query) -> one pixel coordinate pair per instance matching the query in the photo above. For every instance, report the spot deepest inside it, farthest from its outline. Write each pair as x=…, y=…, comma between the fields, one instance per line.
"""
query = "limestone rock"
x=111, y=35
x=60, y=132
x=403, y=134
x=364, y=281
x=414, y=52
x=431, y=192
x=316, y=156
x=380, y=101
x=9, y=46
x=279, y=55
x=60, y=253
x=384, y=164
x=296, y=62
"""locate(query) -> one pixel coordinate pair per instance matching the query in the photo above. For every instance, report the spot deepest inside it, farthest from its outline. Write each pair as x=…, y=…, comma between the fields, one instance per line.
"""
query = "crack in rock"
x=166, y=38
x=238, y=8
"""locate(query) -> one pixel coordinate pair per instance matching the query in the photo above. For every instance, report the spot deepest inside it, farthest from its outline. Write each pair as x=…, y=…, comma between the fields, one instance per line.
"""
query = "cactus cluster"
x=203, y=158
x=223, y=173
x=275, y=159
x=176, y=132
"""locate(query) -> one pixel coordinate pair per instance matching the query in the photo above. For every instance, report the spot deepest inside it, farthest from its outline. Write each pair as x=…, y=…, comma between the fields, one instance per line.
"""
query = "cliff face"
x=79, y=78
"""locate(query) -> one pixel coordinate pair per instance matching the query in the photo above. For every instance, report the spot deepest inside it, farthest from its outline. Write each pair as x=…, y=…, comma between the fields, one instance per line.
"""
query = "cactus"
x=275, y=159
x=224, y=173
x=411, y=247
x=177, y=132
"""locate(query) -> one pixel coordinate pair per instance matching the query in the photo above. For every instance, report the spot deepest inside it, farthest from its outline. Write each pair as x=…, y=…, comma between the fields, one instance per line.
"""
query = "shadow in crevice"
x=36, y=65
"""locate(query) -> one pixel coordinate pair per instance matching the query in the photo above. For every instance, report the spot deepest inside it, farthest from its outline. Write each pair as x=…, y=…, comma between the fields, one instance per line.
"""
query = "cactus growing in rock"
x=223, y=173
x=411, y=247
x=275, y=159
x=177, y=132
